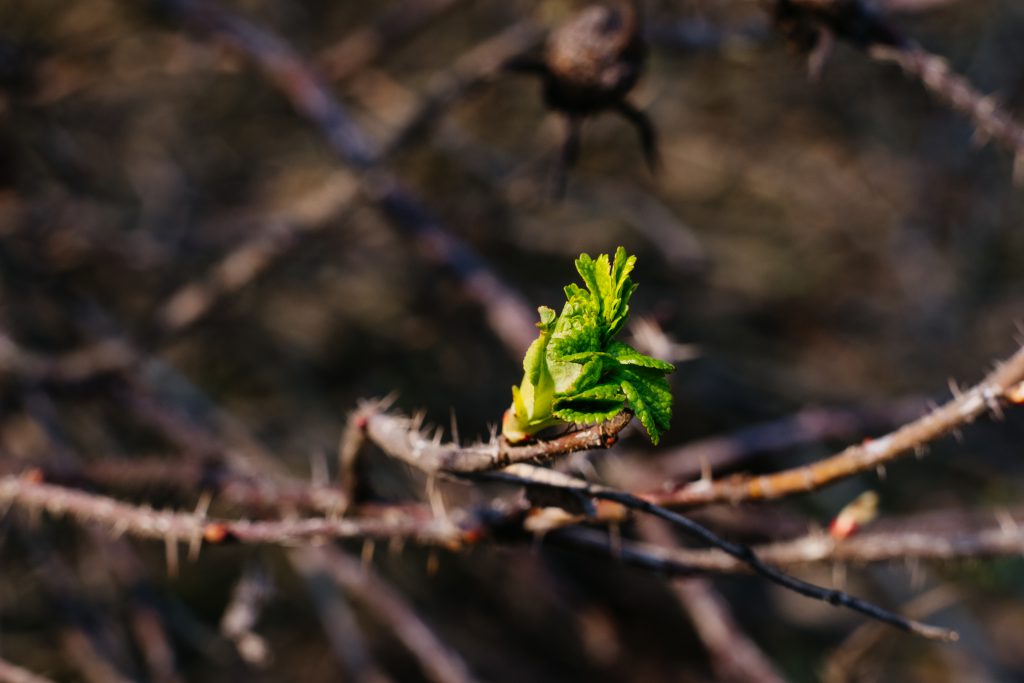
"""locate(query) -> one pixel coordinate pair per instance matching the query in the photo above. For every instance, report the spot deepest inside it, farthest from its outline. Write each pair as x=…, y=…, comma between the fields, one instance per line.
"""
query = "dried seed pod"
x=589, y=65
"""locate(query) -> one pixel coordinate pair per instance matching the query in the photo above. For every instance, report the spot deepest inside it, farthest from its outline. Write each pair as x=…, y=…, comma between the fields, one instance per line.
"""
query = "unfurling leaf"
x=575, y=372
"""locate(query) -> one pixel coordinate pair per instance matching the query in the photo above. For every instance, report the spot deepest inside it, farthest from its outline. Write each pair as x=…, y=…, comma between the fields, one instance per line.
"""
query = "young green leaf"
x=576, y=372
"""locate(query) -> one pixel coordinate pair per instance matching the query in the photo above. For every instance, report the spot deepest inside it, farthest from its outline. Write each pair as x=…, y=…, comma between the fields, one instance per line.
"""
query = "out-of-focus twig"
x=191, y=476
x=531, y=476
x=28, y=493
x=238, y=624
x=1004, y=385
x=10, y=673
x=438, y=662
x=989, y=117
x=841, y=665
x=506, y=311
x=734, y=656
x=474, y=67
x=866, y=547
x=815, y=22
x=364, y=46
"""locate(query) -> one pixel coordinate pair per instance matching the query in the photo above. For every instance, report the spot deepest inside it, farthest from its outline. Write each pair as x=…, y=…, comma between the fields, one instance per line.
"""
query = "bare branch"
x=734, y=656
x=175, y=527
x=191, y=476
x=505, y=309
x=868, y=547
x=990, y=119
x=400, y=438
x=251, y=593
x=537, y=477
x=1001, y=386
x=439, y=663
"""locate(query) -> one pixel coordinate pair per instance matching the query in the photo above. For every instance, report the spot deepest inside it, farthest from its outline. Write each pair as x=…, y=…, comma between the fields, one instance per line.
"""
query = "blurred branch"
x=1004, y=385
x=506, y=311
x=530, y=476
x=103, y=358
x=254, y=256
x=251, y=593
x=842, y=665
x=337, y=618
x=734, y=656
x=813, y=22
x=366, y=45
x=190, y=476
x=865, y=547
x=439, y=664
x=991, y=121
x=9, y=673
x=28, y=493
x=477, y=65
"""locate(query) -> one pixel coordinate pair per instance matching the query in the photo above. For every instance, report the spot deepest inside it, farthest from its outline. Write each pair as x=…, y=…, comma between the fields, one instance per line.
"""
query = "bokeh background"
x=845, y=243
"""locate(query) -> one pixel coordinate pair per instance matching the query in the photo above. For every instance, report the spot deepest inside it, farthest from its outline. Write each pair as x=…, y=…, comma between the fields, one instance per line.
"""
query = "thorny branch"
x=1003, y=385
x=27, y=492
x=438, y=662
x=870, y=547
x=815, y=22
x=401, y=438
x=535, y=477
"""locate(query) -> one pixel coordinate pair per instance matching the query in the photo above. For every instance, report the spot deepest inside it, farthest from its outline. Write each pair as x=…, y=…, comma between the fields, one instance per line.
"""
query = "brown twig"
x=567, y=485
x=506, y=311
x=360, y=583
x=9, y=673
x=191, y=476
x=28, y=493
x=1002, y=385
x=734, y=656
x=479, y=64
x=990, y=119
x=365, y=45
x=251, y=594
x=805, y=427
x=814, y=22
x=401, y=438
x=866, y=547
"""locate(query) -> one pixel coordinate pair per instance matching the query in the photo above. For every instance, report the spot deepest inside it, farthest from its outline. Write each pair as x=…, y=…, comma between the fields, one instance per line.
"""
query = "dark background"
x=841, y=243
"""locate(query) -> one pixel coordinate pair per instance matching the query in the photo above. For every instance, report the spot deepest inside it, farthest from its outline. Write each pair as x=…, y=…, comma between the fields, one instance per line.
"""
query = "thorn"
x=318, y=469
x=454, y=427
x=820, y=54
x=954, y=389
x=196, y=542
x=839, y=575
x=1007, y=524
x=171, y=551
x=705, y=469
x=366, y=555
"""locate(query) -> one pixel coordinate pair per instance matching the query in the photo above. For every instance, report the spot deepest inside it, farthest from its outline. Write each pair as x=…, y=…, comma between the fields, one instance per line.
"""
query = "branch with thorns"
x=813, y=25
x=1003, y=385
